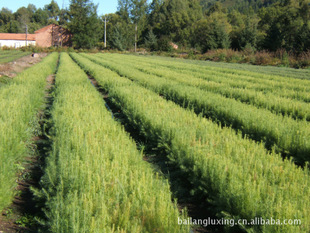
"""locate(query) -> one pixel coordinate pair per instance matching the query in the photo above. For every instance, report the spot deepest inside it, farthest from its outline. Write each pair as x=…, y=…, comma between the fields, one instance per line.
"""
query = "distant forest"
x=201, y=25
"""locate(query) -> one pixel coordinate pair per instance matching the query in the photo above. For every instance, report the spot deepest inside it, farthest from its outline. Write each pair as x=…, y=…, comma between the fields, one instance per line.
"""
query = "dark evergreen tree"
x=212, y=32
x=123, y=9
x=118, y=41
x=302, y=42
x=138, y=11
x=117, y=27
x=246, y=34
x=211, y=35
x=154, y=16
x=84, y=24
x=151, y=41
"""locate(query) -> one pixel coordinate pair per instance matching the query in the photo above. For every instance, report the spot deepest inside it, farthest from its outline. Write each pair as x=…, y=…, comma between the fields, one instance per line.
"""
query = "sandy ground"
x=11, y=69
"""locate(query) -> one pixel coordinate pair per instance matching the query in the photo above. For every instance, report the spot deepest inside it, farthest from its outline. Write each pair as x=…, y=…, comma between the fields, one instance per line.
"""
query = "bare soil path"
x=11, y=69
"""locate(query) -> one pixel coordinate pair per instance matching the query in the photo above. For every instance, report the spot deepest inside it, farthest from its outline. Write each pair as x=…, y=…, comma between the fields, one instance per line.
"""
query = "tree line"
x=198, y=24
x=80, y=18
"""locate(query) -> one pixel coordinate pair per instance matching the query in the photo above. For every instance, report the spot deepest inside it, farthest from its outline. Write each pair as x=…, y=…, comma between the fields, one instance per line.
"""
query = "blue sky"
x=105, y=6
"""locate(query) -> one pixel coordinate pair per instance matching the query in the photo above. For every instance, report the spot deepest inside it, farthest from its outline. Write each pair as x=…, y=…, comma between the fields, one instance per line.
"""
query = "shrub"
x=262, y=58
x=304, y=60
x=164, y=44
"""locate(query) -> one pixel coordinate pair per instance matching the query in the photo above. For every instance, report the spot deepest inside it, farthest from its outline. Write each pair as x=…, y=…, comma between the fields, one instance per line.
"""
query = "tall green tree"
x=6, y=16
x=154, y=15
x=134, y=14
x=118, y=41
x=120, y=33
x=123, y=9
x=151, y=41
x=53, y=10
x=244, y=30
x=138, y=11
x=24, y=17
x=40, y=17
x=84, y=24
x=177, y=19
x=212, y=32
x=284, y=24
x=302, y=42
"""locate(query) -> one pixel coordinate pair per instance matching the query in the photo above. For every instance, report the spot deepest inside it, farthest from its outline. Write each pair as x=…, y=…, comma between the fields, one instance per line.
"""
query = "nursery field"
x=11, y=55
x=121, y=128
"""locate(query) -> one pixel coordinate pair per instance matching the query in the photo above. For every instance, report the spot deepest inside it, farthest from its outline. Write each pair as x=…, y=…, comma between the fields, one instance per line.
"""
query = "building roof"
x=44, y=28
x=47, y=28
x=17, y=36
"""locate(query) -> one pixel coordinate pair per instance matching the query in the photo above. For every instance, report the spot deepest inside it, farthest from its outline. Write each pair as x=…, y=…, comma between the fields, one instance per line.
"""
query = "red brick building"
x=51, y=35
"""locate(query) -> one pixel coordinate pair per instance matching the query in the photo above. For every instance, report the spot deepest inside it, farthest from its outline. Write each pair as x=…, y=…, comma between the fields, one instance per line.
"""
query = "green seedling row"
x=279, y=105
x=232, y=80
x=11, y=56
x=20, y=102
x=95, y=179
x=244, y=76
x=236, y=175
x=286, y=135
x=268, y=70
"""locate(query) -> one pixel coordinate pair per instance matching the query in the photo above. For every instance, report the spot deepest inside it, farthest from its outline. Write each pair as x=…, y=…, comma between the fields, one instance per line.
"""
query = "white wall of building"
x=15, y=43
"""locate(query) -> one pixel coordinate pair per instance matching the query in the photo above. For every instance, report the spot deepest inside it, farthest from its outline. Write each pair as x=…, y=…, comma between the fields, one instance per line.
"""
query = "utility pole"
x=62, y=31
x=26, y=35
x=52, y=43
x=136, y=29
x=105, y=31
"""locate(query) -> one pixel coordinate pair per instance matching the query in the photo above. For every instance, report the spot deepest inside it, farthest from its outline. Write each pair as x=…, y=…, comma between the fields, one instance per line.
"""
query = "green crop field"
x=11, y=55
x=239, y=135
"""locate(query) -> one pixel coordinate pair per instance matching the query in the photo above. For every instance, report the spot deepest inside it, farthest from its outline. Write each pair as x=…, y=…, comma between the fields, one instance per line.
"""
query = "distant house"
x=17, y=40
x=173, y=45
x=51, y=35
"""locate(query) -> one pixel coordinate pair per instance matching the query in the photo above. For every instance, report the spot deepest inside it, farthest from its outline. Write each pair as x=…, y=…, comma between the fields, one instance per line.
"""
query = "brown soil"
x=50, y=82
x=11, y=69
